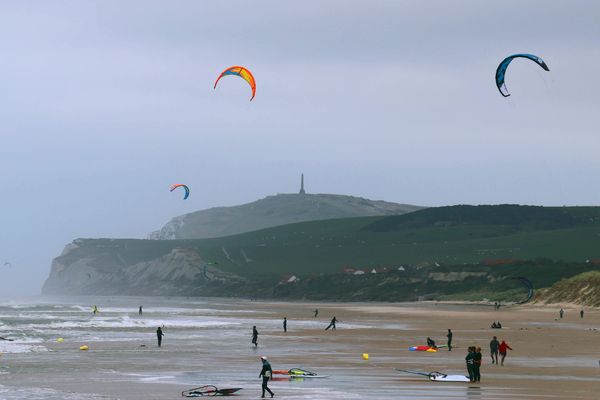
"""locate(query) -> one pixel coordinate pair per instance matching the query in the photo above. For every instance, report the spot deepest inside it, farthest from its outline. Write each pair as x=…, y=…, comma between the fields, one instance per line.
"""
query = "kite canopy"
x=501, y=70
x=187, y=189
x=529, y=287
x=243, y=73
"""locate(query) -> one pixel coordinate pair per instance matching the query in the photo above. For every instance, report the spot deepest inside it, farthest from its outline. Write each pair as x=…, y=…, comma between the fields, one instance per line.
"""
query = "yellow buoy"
x=60, y=340
x=365, y=356
x=84, y=347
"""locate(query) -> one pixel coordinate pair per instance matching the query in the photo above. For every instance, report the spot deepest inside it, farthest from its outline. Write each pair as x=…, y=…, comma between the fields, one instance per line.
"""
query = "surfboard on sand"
x=436, y=376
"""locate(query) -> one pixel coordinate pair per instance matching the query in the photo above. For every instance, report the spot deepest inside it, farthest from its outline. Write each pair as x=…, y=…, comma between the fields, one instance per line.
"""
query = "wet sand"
x=551, y=358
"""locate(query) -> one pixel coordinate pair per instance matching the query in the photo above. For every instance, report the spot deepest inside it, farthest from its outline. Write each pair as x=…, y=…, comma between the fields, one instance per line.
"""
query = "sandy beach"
x=551, y=358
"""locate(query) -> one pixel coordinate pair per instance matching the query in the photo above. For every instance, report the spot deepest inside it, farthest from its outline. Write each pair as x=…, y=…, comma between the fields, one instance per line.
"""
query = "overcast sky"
x=104, y=104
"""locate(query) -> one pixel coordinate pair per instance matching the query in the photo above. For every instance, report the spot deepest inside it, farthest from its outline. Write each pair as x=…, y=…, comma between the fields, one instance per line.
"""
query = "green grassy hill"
x=272, y=211
x=494, y=240
x=581, y=289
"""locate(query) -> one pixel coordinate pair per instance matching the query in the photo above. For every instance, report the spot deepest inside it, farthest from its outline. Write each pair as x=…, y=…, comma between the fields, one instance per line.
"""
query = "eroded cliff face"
x=109, y=267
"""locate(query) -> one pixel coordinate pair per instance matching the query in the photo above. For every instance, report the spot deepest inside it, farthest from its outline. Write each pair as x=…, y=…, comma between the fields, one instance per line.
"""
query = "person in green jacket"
x=266, y=373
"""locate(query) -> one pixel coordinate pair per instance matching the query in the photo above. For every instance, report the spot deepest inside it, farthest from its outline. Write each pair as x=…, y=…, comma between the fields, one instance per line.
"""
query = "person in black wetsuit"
x=494, y=345
x=316, y=312
x=284, y=324
x=431, y=343
x=332, y=324
x=254, y=336
x=581, y=313
x=449, y=336
x=266, y=373
x=140, y=311
x=469, y=360
x=159, y=335
x=477, y=365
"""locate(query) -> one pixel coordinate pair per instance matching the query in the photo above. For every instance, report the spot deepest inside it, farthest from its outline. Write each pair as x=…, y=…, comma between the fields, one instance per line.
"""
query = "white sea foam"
x=8, y=393
x=20, y=347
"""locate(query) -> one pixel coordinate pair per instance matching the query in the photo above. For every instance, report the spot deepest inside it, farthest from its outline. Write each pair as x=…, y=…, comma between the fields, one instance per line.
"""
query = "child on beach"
x=502, y=349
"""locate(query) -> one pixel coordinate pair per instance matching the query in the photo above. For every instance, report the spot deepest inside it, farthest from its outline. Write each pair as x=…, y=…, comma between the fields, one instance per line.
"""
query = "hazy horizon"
x=103, y=105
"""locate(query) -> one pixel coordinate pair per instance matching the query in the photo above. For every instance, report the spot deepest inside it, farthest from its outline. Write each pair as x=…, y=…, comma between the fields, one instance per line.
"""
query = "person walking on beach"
x=316, y=312
x=254, y=336
x=159, y=335
x=331, y=324
x=477, y=365
x=469, y=360
x=266, y=372
x=581, y=313
x=140, y=311
x=284, y=324
x=449, y=336
x=561, y=313
x=502, y=348
x=494, y=345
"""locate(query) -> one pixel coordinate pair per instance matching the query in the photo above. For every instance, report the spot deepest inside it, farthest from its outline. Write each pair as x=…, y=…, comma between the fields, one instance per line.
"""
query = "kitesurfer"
x=316, y=312
x=502, y=349
x=284, y=324
x=469, y=360
x=332, y=324
x=449, y=336
x=140, y=311
x=266, y=374
x=494, y=345
x=477, y=364
x=254, y=336
x=431, y=343
x=159, y=335
x=561, y=313
x=95, y=310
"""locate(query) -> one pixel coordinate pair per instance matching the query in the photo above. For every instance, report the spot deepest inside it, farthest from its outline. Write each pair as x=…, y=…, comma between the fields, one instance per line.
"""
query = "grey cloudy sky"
x=104, y=104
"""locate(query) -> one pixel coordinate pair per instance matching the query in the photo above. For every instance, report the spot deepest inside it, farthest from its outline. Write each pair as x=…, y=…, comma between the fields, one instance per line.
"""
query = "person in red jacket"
x=502, y=350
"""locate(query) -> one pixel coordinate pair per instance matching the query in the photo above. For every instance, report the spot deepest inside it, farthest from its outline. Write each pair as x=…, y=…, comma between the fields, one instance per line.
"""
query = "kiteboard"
x=449, y=378
x=435, y=376
x=296, y=373
x=209, y=390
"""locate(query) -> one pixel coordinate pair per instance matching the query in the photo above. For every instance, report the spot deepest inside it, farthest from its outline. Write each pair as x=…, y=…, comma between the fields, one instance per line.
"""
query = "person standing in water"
x=449, y=336
x=561, y=313
x=469, y=360
x=332, y=324
x=316, y=312
x=284, y=324
x=494, y=345
x=159, y=335
x=502, y=348
x=266, y=372
x=477, y=364
x=95, y=310
x=140, y=311
x=254, y=336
